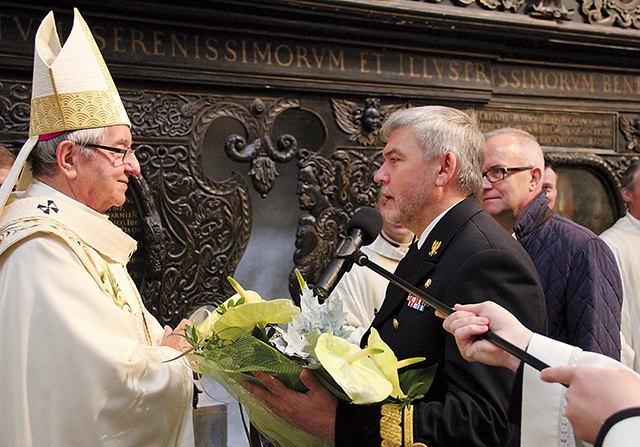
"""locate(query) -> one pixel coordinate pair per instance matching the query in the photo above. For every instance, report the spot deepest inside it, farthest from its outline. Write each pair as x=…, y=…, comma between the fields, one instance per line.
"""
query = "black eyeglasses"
x=124, y=151
x=495, y=175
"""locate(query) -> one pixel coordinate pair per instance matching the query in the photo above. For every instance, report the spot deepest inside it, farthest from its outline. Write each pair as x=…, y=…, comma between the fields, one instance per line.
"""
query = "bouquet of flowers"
x=246, y=333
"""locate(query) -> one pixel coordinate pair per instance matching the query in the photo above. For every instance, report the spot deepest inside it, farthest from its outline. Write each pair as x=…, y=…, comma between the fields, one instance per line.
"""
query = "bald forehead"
x=518, y=147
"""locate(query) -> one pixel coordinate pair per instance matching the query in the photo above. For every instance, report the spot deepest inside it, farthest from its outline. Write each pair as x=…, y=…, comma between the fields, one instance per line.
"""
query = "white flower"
x=314, y=319
x=353, y=369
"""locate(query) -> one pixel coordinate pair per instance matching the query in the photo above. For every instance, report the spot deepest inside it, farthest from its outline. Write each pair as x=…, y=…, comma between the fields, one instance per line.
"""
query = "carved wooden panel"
x=205, y=223
x=331, y=189
x=622, y=13
x=193, y=230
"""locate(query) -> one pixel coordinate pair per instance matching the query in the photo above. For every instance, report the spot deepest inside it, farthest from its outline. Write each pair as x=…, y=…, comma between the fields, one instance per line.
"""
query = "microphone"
x=363, y=228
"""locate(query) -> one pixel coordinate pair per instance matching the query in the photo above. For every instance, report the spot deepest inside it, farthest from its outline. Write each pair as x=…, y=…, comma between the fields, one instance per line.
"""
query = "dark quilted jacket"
x=579, y=276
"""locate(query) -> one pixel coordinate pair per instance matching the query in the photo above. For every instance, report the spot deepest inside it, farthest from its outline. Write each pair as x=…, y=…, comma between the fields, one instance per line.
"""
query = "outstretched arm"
x=471, y=320
x=588, y=406
x=594, y=394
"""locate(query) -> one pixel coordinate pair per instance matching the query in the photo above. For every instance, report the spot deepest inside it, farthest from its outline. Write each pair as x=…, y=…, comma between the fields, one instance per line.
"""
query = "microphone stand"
x=363, y=260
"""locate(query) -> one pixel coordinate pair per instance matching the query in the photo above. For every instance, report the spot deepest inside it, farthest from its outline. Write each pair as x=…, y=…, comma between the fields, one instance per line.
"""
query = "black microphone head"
x=369, y=221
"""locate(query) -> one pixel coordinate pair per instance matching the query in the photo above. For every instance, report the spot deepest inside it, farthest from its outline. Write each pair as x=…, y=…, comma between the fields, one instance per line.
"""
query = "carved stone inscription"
x=250, y=58
x=218, y=52
x=556, y=129
x=561, y=83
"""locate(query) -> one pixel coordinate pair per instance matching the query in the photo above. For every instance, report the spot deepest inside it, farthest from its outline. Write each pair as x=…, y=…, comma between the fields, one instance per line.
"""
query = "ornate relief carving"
x=205, y=224
x=513, y=5
x=550, y=9
x=258, y=148
x=153, y=242
x=540, y=9
x=362, y=123
x=159, y=114
x=618, y=165
x=613, y=12
x=14, y=107
x=331, y=189
x=630, y=128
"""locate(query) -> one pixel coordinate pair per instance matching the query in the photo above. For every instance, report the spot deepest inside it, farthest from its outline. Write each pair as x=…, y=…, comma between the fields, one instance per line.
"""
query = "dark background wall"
x=256, y=123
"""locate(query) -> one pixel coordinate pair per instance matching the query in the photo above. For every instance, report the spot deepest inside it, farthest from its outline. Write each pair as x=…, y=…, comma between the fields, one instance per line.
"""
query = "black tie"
x=405, y=262
x=413, y=248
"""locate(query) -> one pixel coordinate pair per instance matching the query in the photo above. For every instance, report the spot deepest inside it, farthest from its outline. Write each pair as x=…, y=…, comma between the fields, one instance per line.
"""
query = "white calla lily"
x=388, y=362
x=353, y=370
x=205, y=328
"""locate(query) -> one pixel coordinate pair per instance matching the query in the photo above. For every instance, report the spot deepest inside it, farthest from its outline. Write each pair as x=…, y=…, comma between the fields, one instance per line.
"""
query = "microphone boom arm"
x=363, y=260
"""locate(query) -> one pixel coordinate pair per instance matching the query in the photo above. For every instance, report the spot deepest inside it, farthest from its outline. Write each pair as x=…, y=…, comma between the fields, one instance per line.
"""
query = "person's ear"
x=536, y=178
x=626, y=194
x=446, y=169
x=64, y=157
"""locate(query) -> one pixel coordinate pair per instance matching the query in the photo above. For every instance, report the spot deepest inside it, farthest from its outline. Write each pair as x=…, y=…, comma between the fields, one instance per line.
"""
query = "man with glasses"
x=578, y=272
x=84, y=363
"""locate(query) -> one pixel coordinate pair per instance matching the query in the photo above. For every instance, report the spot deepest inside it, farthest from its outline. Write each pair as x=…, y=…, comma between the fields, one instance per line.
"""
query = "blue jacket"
x=579, y=276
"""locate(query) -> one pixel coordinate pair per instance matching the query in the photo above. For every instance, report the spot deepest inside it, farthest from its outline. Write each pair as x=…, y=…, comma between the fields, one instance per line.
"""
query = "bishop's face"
x=101, y=181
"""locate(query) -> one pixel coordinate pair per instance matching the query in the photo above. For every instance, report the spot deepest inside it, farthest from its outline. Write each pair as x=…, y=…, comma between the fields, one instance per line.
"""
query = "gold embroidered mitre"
x=72, y=87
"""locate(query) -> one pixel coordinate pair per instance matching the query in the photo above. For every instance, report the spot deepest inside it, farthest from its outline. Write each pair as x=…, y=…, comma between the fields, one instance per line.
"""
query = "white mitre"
x=72, y=89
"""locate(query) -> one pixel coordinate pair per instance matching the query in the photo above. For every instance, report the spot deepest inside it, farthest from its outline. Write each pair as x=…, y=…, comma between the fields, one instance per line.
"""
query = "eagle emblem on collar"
x=435, y=247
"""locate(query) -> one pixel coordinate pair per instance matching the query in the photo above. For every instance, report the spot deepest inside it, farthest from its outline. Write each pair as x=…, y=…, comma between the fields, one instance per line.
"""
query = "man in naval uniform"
x=430, y=176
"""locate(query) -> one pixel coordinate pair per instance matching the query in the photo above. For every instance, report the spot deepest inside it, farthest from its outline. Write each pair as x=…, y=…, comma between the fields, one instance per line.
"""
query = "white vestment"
x=623, y=238
x=544, y=423
x=81, y=364
x=362, y=290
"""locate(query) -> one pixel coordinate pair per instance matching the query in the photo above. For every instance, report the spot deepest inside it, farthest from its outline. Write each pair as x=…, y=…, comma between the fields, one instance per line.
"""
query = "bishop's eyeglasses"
x=495, y=175
x=124, y=151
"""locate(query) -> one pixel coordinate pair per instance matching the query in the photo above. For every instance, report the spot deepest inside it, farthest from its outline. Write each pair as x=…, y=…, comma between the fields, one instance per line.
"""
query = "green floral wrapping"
x=231, y=365
x=247, y=354
x=243, y=335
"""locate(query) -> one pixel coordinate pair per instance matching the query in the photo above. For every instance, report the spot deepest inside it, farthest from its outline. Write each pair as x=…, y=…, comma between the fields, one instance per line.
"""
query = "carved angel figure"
x=631, y=131
x=363, y=123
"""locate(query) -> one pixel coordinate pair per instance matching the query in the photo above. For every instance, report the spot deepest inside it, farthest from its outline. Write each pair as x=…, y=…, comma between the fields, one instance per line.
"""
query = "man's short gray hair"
x=529, y=149
x=441, y=129
x=43, y=157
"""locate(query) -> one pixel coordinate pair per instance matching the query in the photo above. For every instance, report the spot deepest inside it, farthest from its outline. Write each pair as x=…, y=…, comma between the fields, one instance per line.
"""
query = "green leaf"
x=417, y=383
x=191, y=335
x=301, y=282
